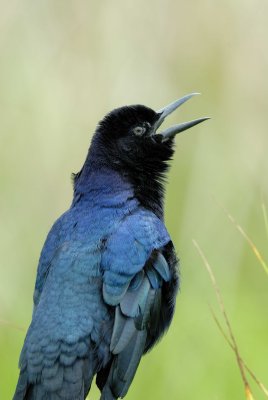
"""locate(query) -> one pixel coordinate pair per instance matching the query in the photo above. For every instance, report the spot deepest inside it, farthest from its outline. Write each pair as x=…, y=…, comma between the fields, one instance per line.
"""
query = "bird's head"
x=129, y=138
x=130, y=141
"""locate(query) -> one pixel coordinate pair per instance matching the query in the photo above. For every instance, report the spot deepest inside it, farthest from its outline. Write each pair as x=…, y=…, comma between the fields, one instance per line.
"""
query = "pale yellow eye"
x=139, y=130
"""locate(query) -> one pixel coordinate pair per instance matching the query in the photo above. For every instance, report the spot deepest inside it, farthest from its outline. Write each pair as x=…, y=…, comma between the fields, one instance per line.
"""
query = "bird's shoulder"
x=142, y=227
x=128, y=249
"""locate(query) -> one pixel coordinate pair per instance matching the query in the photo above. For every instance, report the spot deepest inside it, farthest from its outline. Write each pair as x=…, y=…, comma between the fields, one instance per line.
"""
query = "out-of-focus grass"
x=231, y=339
x=227, y=331
x=63, y=66
x=250, y=242
x=265, y=217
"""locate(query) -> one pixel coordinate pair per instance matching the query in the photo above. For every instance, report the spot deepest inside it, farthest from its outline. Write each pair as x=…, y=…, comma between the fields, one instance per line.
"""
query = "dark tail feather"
x=124, y=367
x=107, y=394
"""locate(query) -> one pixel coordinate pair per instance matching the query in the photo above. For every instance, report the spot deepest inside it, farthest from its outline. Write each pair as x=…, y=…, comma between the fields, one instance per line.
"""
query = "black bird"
x=107, y=276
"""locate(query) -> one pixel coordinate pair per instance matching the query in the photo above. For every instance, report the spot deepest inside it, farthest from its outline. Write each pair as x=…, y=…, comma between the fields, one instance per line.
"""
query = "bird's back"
x=99, y=251
x=68, y=339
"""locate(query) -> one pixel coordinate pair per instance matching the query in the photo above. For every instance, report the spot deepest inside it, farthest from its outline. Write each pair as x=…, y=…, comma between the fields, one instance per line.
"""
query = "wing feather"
x=137, y=320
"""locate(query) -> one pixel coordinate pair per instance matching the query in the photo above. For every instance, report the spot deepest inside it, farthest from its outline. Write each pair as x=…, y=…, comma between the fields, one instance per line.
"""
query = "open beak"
x=169, y=133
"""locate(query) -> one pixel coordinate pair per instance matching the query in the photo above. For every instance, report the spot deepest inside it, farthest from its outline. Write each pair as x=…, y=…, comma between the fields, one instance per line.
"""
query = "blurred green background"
x=64, y=64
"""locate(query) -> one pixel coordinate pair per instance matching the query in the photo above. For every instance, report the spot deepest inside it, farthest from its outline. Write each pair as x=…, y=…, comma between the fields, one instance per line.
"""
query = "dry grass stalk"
x=249, y=395
x=253, y=376
x=247, y=238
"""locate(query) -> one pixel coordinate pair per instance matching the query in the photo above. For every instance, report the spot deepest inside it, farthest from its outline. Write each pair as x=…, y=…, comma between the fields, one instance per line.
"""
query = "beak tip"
x=164, y=112
x=173, y=130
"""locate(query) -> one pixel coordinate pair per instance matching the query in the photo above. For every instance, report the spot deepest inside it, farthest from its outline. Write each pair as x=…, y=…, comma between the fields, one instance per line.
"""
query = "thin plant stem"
x=247, y=238
x=253, y=376
x=248, y=392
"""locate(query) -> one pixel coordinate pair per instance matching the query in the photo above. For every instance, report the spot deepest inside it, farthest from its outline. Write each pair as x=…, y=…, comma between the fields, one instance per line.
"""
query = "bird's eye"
x=139, y=130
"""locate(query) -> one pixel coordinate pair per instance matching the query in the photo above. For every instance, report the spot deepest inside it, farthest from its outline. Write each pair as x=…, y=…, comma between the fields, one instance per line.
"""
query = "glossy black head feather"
x=142, y=159
x=119, y=121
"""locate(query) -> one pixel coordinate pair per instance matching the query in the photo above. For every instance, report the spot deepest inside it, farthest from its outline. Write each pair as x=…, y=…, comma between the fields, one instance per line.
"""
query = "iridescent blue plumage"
x=107, y=276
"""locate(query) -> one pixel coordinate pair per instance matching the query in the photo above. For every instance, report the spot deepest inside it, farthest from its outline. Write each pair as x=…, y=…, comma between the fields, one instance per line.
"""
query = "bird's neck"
x=149, y=190
x=102, y=185
x=112, y=187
